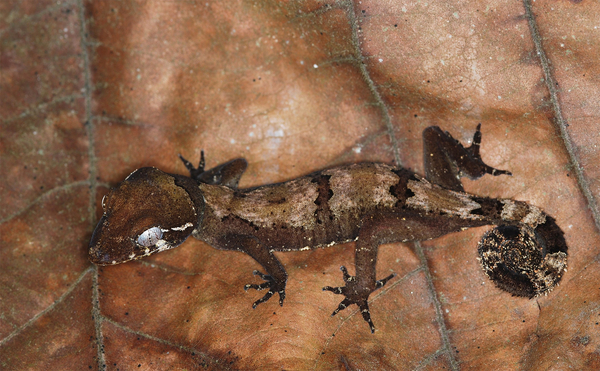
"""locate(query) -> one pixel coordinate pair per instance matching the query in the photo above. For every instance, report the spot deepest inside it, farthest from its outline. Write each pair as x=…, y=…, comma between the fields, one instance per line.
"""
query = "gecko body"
x=370, y=203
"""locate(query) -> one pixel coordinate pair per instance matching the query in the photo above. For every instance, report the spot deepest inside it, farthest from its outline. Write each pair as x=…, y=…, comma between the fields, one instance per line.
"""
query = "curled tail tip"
x=525, y=260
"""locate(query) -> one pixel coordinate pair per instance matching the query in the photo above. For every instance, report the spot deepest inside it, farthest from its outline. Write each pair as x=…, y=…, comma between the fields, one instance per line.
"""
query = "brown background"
x=91, y=90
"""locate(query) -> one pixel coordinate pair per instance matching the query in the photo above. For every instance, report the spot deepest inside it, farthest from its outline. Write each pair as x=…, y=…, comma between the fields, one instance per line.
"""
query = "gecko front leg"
x=276, y=277
x=227, y=174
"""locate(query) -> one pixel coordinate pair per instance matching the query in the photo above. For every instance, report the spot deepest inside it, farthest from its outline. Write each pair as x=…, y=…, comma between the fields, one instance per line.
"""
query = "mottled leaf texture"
x=91, y=90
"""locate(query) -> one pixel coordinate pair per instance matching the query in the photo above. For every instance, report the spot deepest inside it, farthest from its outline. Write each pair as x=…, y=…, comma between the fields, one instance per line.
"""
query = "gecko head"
x=147, y=213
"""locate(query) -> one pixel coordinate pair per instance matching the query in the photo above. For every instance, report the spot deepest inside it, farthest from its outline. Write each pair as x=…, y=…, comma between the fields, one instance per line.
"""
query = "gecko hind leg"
x=378, y=229
x=447, y=160
x=356, y=295
x=473, y=149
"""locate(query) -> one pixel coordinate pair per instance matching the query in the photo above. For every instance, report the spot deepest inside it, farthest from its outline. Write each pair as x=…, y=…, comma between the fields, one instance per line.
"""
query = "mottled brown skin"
x=371, y=203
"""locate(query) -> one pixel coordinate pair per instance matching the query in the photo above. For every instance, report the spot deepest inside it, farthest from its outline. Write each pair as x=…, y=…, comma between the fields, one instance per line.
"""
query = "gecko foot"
x=354, y=294
x=474, y=151
x=194, y=172
x=272, y=284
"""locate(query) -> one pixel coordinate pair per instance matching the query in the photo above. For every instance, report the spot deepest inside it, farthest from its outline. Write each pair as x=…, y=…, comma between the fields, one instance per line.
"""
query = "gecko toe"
x=335, y=290
x=343, y=305
x=382, y=282
x=257, y=287
x=265, y=277
x=281, y=297
x=347, y=276
x=366, y=314
x=263, y=299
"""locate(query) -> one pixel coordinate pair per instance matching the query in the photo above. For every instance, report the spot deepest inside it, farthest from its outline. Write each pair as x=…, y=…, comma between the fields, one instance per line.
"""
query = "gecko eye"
x=150, y=237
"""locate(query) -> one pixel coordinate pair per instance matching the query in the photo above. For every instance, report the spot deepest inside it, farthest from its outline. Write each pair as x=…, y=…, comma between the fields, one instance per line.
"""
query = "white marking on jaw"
x=131, y=256
x=183, y=227
x=162, y=245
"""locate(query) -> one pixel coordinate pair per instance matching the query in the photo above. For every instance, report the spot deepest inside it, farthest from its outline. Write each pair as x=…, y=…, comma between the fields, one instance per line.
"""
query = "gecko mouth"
x=96, y=253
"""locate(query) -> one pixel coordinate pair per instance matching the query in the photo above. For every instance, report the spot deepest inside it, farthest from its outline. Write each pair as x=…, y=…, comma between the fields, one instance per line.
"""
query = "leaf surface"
x=90, y=91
